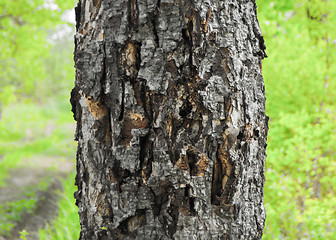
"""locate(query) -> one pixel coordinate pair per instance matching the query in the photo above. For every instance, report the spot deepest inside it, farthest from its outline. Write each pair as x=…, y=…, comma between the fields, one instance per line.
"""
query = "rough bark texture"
x=171, y=125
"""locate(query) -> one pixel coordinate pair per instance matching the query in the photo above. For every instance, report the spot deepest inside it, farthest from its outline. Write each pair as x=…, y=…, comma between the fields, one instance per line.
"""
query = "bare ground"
x=22, y=179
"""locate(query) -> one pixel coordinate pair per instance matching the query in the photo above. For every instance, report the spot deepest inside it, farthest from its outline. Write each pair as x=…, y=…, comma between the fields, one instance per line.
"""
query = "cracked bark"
x=171, y=126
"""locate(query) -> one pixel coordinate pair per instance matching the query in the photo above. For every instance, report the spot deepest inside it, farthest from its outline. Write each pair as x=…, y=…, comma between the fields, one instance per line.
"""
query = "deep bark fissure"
x=122, y=107
x=133, y=14
x=131, y=223
x=154, y=21
x=145, y=157
x=78, y=17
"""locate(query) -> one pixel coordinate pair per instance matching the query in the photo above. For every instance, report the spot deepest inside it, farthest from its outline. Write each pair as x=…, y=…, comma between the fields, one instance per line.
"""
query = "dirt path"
x=28, y=179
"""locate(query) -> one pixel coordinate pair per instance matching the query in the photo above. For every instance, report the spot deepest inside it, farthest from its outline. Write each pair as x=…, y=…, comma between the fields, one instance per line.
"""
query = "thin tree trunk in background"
x=171, y=126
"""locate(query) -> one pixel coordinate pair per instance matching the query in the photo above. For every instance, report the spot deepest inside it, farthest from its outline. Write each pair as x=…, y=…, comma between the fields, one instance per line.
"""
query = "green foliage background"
x=300, y=88
x=36, y=76
x=27, y=62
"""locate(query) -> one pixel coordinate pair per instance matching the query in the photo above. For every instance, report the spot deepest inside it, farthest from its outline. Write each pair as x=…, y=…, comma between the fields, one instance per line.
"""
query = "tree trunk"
x=171, y=126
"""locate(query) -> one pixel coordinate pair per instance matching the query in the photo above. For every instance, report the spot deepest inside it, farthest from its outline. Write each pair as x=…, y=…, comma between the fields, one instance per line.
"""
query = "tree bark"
x=169, y=101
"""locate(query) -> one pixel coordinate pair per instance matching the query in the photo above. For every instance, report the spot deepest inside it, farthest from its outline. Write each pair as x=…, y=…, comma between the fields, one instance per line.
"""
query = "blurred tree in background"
x=300, y=89
x=30, y=63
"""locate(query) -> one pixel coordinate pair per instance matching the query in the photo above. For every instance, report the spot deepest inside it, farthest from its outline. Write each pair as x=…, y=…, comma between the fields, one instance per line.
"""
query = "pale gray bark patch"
x=171, y=125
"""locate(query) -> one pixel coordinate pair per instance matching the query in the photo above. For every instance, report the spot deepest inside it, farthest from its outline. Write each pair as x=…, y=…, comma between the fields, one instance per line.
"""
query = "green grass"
x=11, y=212
x=66, y=225
x=35, y=129
x=30, y=129
x=32, y=134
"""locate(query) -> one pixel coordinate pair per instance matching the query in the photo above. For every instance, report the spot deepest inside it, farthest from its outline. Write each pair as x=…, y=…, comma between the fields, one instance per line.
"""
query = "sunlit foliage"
x=301, y=88
x=25, y=46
